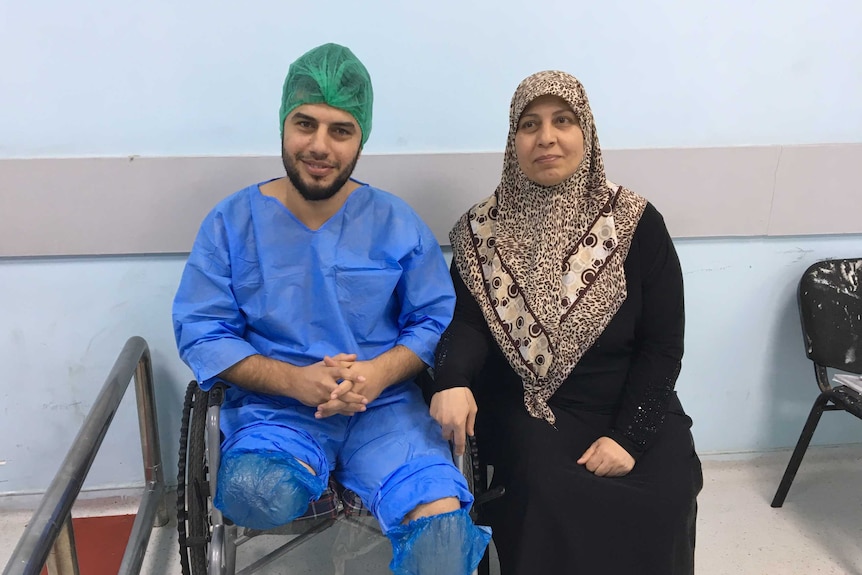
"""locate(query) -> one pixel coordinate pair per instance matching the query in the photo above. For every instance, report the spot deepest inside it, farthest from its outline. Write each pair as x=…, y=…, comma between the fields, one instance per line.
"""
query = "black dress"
x=556, y=517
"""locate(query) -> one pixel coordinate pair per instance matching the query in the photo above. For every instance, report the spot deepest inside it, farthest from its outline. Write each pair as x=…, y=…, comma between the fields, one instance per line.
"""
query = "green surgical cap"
x=333, y=75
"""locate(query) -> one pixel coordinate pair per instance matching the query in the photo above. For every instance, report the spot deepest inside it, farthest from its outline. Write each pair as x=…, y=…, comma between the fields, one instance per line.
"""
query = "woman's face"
x=549, y=142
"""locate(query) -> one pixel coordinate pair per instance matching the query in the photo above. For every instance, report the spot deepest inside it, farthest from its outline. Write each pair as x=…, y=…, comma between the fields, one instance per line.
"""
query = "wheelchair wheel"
x=473, y=473
x=193, y=484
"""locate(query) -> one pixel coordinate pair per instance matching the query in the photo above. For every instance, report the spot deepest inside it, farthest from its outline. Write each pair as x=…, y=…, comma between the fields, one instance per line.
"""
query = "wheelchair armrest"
x=216, y=394
x=481, y=492
x=215, y=398
x=478, y=470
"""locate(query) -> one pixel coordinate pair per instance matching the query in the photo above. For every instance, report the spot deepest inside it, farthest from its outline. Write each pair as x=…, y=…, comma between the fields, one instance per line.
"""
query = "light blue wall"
x=203, y=77
x=64, y=323
x=167, y=78
x=745, y=380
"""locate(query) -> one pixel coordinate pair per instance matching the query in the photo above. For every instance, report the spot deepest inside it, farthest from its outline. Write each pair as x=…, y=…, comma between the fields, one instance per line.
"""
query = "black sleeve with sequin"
x=464, y=345
x=649, y=387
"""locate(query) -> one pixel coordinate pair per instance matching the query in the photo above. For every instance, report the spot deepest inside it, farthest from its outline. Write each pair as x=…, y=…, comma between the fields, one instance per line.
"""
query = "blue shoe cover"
x=445, y=544
x=264, y=489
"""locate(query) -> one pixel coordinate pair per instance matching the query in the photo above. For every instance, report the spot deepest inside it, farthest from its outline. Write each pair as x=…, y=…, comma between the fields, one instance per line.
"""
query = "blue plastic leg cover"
x=445, y=544
x=263, y=489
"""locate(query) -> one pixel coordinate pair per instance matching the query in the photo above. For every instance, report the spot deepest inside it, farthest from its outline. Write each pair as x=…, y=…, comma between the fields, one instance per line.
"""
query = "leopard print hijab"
x=545, y=264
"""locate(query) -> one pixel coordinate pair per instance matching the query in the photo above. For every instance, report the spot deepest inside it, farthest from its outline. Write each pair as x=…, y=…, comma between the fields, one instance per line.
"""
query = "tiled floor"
x=819, y=529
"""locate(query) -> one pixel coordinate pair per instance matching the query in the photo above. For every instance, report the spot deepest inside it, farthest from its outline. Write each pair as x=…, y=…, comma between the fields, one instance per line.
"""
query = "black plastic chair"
x=830, y=308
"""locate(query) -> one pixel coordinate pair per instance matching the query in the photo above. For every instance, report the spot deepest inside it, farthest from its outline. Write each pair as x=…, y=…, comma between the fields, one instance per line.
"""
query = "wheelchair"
x=208, y=541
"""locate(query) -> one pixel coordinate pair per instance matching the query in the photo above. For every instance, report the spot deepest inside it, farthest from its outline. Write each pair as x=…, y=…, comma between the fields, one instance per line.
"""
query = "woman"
x=569, y=329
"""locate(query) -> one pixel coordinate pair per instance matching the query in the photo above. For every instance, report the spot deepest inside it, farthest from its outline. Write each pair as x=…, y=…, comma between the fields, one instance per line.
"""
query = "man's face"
x=319, y=149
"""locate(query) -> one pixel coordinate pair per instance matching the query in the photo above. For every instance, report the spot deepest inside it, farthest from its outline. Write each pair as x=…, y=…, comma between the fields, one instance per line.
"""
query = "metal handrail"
x=52, y=519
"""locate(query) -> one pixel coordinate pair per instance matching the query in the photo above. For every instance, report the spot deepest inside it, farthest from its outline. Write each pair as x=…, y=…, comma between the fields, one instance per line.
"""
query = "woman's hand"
x=455, y=410
x=607, y=458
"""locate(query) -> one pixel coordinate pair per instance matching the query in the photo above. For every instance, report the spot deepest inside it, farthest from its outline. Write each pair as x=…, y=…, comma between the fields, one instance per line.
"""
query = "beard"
x=316, y=191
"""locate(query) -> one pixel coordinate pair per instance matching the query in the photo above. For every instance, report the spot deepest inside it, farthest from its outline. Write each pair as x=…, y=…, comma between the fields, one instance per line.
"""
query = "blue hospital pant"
x=392, y=455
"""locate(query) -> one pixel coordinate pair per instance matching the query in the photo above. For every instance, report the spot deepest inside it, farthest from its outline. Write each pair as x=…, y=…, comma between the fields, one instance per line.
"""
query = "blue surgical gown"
x=258, y=281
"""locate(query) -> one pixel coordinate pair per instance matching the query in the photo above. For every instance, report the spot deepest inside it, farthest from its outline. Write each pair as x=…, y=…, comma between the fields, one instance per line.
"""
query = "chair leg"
x=801, y=447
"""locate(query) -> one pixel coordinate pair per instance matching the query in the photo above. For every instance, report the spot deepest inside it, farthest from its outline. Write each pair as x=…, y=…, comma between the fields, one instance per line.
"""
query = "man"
x=317, y=299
